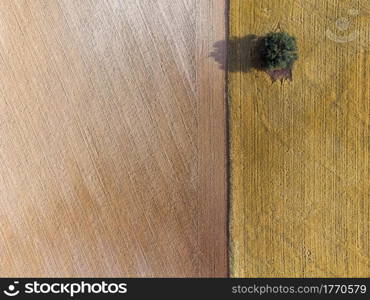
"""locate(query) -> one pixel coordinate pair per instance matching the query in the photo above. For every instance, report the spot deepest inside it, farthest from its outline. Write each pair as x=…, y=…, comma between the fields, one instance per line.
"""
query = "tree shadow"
x=243, y=54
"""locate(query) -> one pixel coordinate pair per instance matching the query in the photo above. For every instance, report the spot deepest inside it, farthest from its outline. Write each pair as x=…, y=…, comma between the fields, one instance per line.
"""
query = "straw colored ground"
x=300, y=150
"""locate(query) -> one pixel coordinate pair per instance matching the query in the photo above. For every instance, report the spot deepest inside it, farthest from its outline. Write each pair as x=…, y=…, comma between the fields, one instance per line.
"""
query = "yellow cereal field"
x=300, y=169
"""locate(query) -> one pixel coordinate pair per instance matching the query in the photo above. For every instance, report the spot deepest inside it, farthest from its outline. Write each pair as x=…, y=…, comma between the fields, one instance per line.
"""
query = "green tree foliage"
x=279, y=51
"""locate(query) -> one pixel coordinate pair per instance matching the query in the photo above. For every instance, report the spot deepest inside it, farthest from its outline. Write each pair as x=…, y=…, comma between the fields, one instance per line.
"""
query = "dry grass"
x=300, y=150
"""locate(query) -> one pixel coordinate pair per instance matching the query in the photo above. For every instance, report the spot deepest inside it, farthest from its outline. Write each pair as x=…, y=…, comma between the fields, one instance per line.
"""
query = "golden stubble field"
x=300, y=150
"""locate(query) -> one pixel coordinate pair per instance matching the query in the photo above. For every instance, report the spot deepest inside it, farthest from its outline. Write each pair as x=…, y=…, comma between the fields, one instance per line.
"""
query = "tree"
x=279, y=51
